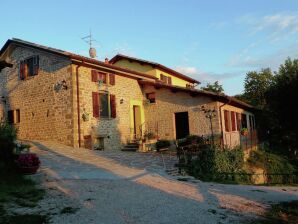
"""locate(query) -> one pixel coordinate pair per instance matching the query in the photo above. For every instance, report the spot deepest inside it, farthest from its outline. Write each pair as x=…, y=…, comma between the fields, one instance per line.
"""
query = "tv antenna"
x=89, y=40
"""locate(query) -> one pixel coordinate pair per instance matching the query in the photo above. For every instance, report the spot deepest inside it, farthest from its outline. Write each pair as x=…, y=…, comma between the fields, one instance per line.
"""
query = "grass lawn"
x=282, y=213
x=22, y=192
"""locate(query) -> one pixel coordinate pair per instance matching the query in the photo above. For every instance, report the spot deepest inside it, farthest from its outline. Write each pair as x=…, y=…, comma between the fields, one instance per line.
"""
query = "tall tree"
x=255, y=86
x=282, y=99
x=213, y=87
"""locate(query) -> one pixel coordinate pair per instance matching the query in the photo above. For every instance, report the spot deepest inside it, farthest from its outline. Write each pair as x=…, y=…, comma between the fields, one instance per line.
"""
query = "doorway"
x=137, y=121
x=181, y=125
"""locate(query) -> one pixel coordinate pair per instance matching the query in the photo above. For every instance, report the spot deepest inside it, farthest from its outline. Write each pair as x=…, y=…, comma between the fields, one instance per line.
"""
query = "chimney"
x=107, y=61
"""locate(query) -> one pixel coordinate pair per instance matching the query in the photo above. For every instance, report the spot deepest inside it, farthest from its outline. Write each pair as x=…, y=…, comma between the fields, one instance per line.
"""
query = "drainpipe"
x=78, y=104
x=220, y=118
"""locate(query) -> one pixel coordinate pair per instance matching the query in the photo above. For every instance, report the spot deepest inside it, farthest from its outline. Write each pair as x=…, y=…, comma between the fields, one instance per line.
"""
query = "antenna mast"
x=89, y=40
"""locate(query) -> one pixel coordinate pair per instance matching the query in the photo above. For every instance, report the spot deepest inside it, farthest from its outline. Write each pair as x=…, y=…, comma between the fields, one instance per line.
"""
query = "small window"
x=227, y=123
x=166, y=79
x=252, y=122
x=102, y=77
x=97, y=76
x=10, y=117
x=233, y=121
x=238, y=119
x=243, y=121
x=151, y=97
x=18, y=116
x=29, y=67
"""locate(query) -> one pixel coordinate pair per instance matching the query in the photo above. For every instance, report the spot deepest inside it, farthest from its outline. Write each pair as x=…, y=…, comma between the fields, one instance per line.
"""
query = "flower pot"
x=28, y=170
x=244, y=133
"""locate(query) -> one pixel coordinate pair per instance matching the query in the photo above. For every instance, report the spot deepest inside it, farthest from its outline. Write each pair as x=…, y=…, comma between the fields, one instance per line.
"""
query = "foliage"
x=281, y=98
x=281, y=213
x=8, y=136
x=270, y=162
x=212, y=161
x=162, y=144
x=255, y=85
x=213, y=87
x=28, y=160
x=16, y=189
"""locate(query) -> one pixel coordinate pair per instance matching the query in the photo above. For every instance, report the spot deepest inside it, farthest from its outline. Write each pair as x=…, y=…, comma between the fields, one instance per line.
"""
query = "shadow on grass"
x=281, y=213
x=16, y=189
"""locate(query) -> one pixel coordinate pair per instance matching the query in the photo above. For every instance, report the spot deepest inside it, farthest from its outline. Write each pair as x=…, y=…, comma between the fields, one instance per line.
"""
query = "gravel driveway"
x=126, y=187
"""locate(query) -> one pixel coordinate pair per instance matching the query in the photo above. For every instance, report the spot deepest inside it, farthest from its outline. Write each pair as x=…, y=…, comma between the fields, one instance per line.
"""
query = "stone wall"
x=116, y=131
x=161, y=113
x=45, y=114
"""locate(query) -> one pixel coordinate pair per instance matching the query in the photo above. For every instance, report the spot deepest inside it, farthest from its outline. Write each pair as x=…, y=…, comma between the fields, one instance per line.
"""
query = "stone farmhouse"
x=50, y=94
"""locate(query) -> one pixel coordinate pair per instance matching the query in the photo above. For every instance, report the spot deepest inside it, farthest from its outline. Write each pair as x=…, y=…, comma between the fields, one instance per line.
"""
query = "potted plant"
x=162, y=145
x=28, y=163
x=244, y=131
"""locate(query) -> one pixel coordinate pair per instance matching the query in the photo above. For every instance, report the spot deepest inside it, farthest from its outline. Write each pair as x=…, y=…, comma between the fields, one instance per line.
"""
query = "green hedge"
x=211, y=162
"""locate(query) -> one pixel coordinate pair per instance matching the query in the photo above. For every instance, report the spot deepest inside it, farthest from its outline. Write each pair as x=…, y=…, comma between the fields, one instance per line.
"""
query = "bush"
x=277, y=168
x=28, y=160
x=162, y=144
x=214, y=163
x=8, y=136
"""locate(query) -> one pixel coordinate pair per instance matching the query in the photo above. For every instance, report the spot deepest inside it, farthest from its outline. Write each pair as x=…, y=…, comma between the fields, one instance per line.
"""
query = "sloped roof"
x=154, y=64
x=71, y=56
x=194, y=92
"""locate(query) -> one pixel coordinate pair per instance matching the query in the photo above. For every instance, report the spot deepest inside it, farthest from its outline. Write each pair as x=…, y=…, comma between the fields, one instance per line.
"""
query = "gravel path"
x=123, y=187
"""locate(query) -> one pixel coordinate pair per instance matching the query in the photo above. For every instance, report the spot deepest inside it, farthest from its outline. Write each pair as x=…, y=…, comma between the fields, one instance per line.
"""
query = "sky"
x=207, y=40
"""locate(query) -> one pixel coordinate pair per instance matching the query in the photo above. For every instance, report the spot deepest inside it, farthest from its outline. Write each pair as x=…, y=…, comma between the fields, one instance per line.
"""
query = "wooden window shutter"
x=94, y=76
x=112, y=79
x=22, y=70
x=25, y=69
x=36, y=65
x=95, y=102
x=170, y=80
x=113, y=105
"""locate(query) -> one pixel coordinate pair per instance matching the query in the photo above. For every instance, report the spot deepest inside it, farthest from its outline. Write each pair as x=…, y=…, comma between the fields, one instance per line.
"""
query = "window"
x=238, y=119
x=251, y=122
x=190, y=86
x=104, y=77
x=151, y=97
x=13, y=116
x=18, y=116
x=227, y=123
x=233, y=120
x=166, y=79
x=243, y=121
x=10, y=117
x=104, y=105
x=29, y=67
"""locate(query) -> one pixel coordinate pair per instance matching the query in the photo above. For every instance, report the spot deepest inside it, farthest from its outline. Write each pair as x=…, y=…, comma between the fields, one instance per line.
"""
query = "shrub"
x=8, y=136
x=215, y=163
x=162, y=144
x=28, y=160
x=277, y=167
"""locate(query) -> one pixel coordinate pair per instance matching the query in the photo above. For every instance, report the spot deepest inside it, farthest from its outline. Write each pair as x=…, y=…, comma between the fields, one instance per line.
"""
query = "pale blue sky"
x=208, y=40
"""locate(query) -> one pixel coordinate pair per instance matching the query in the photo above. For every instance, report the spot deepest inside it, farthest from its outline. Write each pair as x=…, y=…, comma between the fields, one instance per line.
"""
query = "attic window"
x=29, y=67
x=166, y=79
x=151, y=97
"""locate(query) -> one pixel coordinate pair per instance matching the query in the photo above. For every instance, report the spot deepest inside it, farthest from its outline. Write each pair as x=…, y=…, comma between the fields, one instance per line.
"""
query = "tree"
x=255, y=86
x=282, y=99
x=215, y=87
